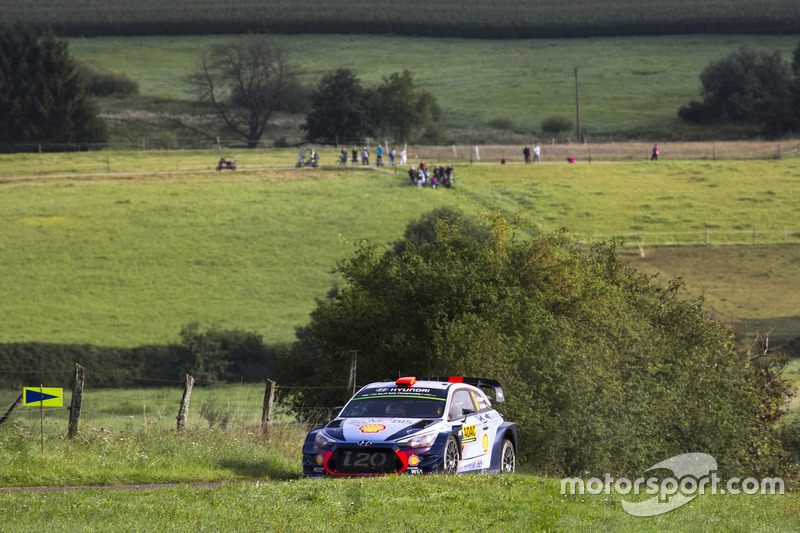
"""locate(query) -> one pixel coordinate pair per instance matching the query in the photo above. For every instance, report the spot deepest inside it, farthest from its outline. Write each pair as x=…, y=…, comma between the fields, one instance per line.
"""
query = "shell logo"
x=485, y=442
x=413, y=460
x=372, y=428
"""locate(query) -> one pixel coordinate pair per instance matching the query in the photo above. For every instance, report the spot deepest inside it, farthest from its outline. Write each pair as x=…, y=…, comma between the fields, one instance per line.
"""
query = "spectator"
x=536, y=151
x=526, y=153
x=355, y=156
x=656, y=151
x=365, y=156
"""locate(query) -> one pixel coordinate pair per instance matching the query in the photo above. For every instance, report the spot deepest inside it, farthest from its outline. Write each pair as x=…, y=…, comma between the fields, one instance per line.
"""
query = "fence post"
x=269, y=400
x=351, y=382
x=183, y=412
x=76, y=403
x=11, y=409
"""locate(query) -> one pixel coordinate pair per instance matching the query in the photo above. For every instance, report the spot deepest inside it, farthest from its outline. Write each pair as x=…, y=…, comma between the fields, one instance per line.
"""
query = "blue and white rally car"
x=443, y=425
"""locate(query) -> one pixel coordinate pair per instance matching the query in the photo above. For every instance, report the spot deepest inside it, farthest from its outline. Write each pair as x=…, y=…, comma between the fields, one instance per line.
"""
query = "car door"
x=463, y=408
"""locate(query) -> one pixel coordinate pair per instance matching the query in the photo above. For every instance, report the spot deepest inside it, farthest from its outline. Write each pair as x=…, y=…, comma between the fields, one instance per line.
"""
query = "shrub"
x=100, y=83
x=556, y=124
x=502, y=123
x=604, y=370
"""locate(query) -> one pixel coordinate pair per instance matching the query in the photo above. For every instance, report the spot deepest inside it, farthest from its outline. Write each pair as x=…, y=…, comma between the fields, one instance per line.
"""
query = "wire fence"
x=707, y=237
x=128, y=410
x=551, y=150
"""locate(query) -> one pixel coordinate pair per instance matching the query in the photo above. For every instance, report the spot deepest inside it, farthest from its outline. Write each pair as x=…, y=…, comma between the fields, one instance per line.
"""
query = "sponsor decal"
x=485, y=442
x=470, y=434
x=372, y=428
x=413, y=460
x=319, y=459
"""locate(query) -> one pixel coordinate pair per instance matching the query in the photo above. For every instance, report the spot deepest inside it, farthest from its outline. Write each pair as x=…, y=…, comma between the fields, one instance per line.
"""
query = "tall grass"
x=264, y=494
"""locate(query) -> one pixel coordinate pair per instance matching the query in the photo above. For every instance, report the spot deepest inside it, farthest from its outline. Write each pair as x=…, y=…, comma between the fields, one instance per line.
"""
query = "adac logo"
x=372, y=428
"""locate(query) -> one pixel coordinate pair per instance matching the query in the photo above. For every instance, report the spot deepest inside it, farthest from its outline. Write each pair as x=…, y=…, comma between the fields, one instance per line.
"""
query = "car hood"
x=377, y=429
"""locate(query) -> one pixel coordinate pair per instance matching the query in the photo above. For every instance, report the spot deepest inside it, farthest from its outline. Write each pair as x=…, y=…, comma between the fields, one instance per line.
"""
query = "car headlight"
x=418, y=441
x=323, y=441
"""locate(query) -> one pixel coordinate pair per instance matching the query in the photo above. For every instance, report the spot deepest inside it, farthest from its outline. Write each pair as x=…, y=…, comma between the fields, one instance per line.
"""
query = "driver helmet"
x=395, y=409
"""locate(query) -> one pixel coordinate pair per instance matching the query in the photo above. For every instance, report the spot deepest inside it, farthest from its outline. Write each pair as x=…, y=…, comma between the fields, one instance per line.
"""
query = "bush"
x=502, y=123
x=604, y=370
x=556, y=124
x=99, y=83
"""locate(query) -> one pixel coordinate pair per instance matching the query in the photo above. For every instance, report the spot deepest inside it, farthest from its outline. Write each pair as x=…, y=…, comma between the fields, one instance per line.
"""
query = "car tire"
x=508, y=458
x=452, y=454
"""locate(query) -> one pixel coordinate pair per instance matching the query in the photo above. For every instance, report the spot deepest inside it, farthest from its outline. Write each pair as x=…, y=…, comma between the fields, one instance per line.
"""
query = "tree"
x=246, y=81
x=41, y=95
x=400, y=110
x=747, y=87
x=339, y=109
x=604, y=369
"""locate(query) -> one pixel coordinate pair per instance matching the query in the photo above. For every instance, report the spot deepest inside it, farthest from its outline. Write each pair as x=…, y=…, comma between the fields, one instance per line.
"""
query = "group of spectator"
x=380, y=153
x=441, y=175
x=526, y=152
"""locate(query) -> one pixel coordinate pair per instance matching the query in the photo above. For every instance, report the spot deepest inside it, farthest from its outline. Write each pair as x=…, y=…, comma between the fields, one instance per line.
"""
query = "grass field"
x=261, y=492
x=626, y=83
x=129, y=259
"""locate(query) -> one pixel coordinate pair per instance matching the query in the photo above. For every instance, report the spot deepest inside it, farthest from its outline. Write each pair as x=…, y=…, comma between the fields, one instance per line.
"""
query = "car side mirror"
x=466, y=412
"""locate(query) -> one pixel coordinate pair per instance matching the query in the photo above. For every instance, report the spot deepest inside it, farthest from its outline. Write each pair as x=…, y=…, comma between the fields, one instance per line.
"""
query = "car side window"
x=462, y=401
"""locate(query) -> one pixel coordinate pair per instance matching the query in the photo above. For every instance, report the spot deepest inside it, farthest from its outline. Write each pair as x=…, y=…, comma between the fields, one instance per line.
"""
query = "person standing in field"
x=526, y=153
x=536, y=151
x=656, y=151
x=355, y=156
x=403, y=156
x=365, y=156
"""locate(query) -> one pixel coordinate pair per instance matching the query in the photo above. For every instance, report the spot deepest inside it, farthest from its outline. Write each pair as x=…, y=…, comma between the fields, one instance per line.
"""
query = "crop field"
x=124, y=259
x=625, y=83
x=466, y=18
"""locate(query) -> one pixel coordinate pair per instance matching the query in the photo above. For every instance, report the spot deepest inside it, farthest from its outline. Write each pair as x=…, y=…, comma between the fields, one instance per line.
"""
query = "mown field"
x=128, y=259
x=630, y=87
x=467, y=18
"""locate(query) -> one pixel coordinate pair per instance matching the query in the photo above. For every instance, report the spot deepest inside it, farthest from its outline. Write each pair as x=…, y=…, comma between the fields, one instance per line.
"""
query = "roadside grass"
x=128, y=259
x=265, y=494
x=625, y=82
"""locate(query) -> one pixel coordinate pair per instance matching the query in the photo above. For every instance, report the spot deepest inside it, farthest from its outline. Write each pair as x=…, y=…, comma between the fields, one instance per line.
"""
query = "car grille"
x=364, y=461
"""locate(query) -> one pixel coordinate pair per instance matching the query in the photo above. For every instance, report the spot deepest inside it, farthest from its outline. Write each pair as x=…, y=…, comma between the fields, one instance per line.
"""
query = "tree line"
x=47, y=97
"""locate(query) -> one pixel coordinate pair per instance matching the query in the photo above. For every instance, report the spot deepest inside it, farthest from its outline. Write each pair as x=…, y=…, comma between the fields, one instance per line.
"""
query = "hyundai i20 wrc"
x=445, y=425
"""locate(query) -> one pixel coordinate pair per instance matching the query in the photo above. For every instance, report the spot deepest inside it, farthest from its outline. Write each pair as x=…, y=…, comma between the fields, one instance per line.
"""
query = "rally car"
x=445, y=425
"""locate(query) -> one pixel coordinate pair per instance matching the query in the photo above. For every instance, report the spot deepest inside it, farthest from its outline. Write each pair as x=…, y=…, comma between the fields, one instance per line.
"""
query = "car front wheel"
x=451, y=456
x=508, y=457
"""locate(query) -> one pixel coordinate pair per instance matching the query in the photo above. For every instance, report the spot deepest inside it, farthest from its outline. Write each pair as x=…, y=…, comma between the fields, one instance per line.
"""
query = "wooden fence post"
x=269, y=400
x=183, y=412
x=11, y=409
x=76, y=403
x=351, y=382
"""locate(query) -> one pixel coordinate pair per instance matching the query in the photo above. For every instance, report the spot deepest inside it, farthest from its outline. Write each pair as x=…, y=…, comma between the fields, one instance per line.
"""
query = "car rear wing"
x=478, y=382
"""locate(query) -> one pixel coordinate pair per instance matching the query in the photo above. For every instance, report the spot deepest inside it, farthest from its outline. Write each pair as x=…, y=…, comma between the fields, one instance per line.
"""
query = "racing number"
x=470, y=434
x=364, y=459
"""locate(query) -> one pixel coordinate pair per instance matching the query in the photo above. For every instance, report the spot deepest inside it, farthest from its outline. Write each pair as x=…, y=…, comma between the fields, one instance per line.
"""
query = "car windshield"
x=399, y=403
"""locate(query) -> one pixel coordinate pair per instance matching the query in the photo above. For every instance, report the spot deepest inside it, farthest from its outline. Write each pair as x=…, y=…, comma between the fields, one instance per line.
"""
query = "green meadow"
x=129, y=258
x=259, y=490
x=626, y=83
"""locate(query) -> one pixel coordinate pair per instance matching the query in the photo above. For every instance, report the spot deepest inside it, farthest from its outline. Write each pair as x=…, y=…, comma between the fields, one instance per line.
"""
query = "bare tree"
x=246, y=81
